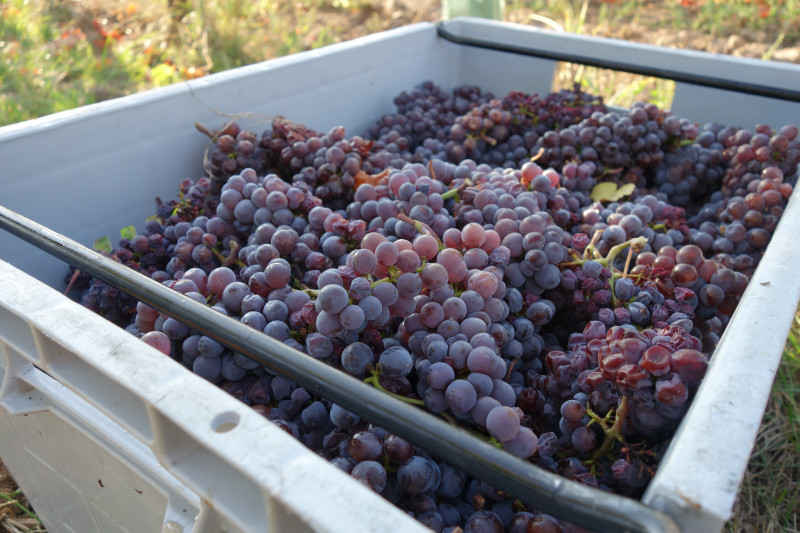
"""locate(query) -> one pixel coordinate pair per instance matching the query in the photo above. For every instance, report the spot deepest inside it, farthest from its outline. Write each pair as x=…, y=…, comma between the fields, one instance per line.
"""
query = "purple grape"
x=318, y=345
x=460, y=396
x=418, y=475
x=356, y=357
x=332, y=299
x=352, y=317
x=503, y=423
x=440, y=375
x=395, y=362
x=370, y=473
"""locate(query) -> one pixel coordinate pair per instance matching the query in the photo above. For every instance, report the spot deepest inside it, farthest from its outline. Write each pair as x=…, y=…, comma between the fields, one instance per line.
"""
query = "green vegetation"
x=15, y=514
x=62, y=55
x=714, y=17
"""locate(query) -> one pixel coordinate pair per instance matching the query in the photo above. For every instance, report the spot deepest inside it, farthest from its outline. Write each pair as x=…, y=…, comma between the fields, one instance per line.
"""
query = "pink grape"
x=159, y=341
x=473, y=235
x=426, y=247
x=387, y=253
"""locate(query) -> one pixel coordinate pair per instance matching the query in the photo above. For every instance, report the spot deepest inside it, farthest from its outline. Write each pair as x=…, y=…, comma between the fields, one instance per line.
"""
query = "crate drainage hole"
x=225, y=422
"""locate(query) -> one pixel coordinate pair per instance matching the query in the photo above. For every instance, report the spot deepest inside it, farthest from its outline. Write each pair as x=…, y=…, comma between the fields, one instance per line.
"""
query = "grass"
x=617, y=88
x=16, y=516
x=52, y=64
x=714, y=25
x=713, y=17
x=23, y=520
x=778, y=17
x=59, y=55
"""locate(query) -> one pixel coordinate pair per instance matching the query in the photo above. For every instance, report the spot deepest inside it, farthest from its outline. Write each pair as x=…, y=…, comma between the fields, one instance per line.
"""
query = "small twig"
x=72, y=280
x=15, y=503
x=422, y=228
x=636, y=243
x=627, y=262
x=510, y=369
x=591, y=249
x=430, y=169
x=202, y=128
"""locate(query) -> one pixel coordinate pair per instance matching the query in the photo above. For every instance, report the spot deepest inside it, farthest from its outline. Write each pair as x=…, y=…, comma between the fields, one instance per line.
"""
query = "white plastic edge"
x=37, y=392
x=699, y=477
x=260, y=460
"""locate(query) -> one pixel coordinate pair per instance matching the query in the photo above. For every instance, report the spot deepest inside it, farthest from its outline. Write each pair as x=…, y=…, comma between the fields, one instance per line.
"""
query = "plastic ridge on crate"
x=142, y=443
x=115, y=405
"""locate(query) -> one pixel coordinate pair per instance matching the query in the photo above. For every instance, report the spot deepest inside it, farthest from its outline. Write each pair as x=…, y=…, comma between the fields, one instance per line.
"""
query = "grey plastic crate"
x=80, y=398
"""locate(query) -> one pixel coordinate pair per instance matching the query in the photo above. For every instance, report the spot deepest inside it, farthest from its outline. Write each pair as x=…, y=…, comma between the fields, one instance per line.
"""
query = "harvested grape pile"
x=547, y=273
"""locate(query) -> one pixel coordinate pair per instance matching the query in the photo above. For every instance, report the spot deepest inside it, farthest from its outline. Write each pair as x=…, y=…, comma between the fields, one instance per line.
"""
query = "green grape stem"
x=454, y=192
x=387, y=465
x=452, y=420
x=491, y=140
x=591, y=249
x=637, y=243
x=231, y=258
x=610, y=171
x=611, y=283
x=373, y=380
x=382, y=280
x=422, y=228
x=457, y=291
x=612, y=431
x=494, y=442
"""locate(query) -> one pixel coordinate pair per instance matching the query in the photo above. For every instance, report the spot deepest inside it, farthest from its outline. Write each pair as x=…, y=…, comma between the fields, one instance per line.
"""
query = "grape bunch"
x=691, y=170
x=463, y=257
x=423, y=114
x=232, y=150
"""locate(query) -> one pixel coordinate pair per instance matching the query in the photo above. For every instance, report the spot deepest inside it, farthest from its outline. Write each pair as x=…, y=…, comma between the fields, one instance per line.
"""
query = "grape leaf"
x=609, y=191
x=128, y=232
x=625, y=190
x=103, y=245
